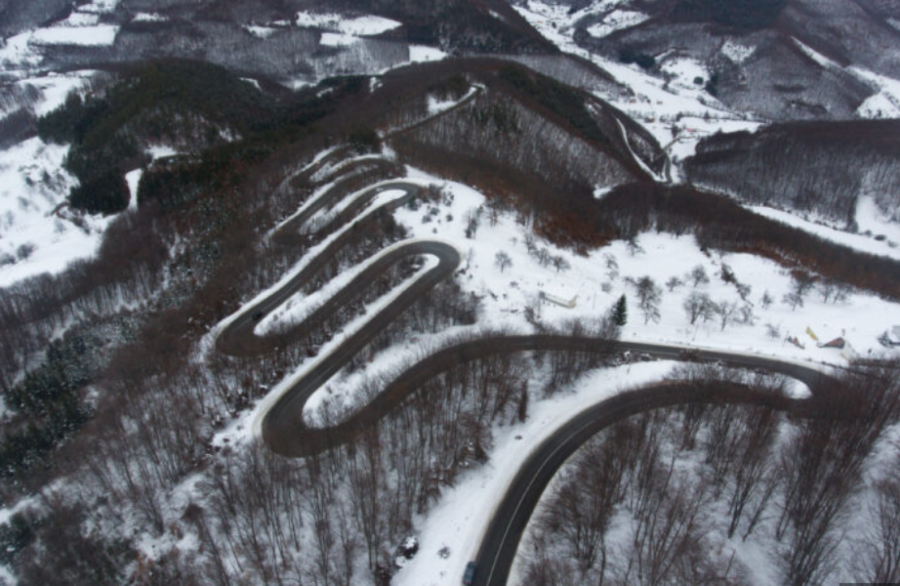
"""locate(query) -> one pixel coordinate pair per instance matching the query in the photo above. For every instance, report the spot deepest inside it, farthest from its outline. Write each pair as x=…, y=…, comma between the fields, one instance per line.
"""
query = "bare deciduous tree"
x=649, y=296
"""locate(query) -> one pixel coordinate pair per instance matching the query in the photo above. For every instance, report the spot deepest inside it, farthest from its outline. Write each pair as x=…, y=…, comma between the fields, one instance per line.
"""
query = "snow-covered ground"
x=423, y=54
x=459, y=519
x=656, y=104
x=149, y=17
x=884, y=104
x=616, y=20
x=601, y=277
x=100, y=34
x=889, y=245
x=37, y=233
x=596, y=281
x=362, y=25
x=873, y=220
x=680, y=113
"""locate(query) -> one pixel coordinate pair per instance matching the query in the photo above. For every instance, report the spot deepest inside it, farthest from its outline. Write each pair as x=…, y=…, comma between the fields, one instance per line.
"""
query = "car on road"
x=257, y=315
x=689, y=355
x=469, y=574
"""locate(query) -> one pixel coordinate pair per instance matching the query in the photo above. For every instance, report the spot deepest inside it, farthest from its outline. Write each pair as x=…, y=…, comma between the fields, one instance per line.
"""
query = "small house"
x=838, y=343
x=559, y=301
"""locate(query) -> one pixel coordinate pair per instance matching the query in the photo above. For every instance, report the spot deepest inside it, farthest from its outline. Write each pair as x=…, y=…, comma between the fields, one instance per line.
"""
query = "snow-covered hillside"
x=520, y=281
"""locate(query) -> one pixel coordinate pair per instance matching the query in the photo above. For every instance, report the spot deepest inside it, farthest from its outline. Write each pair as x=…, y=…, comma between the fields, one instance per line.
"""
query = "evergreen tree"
x=620, y=312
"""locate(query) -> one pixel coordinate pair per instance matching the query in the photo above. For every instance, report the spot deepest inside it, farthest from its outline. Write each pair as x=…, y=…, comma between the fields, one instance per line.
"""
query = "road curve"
x=283, y=429
x=238, y=338
x=501, y=539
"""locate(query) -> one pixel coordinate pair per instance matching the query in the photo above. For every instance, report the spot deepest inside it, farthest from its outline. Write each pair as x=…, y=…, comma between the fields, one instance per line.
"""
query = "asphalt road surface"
x=501, y=539
x=284, y=432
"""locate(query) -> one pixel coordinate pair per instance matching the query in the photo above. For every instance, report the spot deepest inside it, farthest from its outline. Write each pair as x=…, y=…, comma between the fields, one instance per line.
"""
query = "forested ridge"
x=819, y=167
x=112, y=382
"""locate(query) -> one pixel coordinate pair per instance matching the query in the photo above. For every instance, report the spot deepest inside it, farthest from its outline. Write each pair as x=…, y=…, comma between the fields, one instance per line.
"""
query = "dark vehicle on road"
x=690, y=355
x=257, y=315
x=469, y=575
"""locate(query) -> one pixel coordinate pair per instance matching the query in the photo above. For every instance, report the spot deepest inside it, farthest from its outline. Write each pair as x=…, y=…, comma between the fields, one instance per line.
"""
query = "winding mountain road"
x=281, y=421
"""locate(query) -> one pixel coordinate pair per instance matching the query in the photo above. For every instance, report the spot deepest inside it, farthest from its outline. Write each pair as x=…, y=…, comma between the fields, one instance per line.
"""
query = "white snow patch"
x=100, y=6
x=149, y=17
x=99, y=35
x=56, y=87
x=601, y=191
x=338, y=40
x=16, y=52
x=81, y=19
x=884, y=104
x=736, y=52
x=252, y=82
x=263, y=32
x=368, y=25
x=616, y=20
x=684, y=70
x=133, y=178
x=869, y=218
x=423, y=54
x=505, y=296
x=362, y=25
x=160, y=151
x=815, y=55
x=437, y=105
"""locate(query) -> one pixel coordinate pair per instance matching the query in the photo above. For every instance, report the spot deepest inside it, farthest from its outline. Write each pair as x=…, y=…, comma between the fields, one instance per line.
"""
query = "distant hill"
x=265, y=38
x=782, y=59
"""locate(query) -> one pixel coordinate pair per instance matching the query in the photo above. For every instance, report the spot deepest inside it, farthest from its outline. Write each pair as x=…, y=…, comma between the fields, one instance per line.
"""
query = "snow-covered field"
x=37, y=233
x=362, y=25
x=616, y=20
x=100, y=34
x=600, y=278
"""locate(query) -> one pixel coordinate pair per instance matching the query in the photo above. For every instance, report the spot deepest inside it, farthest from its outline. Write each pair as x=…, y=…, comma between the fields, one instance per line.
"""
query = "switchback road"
x=284, y=431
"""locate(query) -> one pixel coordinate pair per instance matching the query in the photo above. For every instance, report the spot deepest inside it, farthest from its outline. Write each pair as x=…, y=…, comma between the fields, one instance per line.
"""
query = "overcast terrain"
x=414, y=292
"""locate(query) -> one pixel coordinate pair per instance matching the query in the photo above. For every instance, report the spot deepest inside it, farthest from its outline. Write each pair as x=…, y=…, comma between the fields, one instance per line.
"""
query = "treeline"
x=741, y=14
x=572, y=70
x=719, y=223
x=462, y=26
x=48, y=405
x=818, y=167
x=191, y=106
x=655, y=499
x=153, y=260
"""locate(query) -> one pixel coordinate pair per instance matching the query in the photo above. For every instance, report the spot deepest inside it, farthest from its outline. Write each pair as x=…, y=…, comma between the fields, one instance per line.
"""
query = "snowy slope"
x=37, y=233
